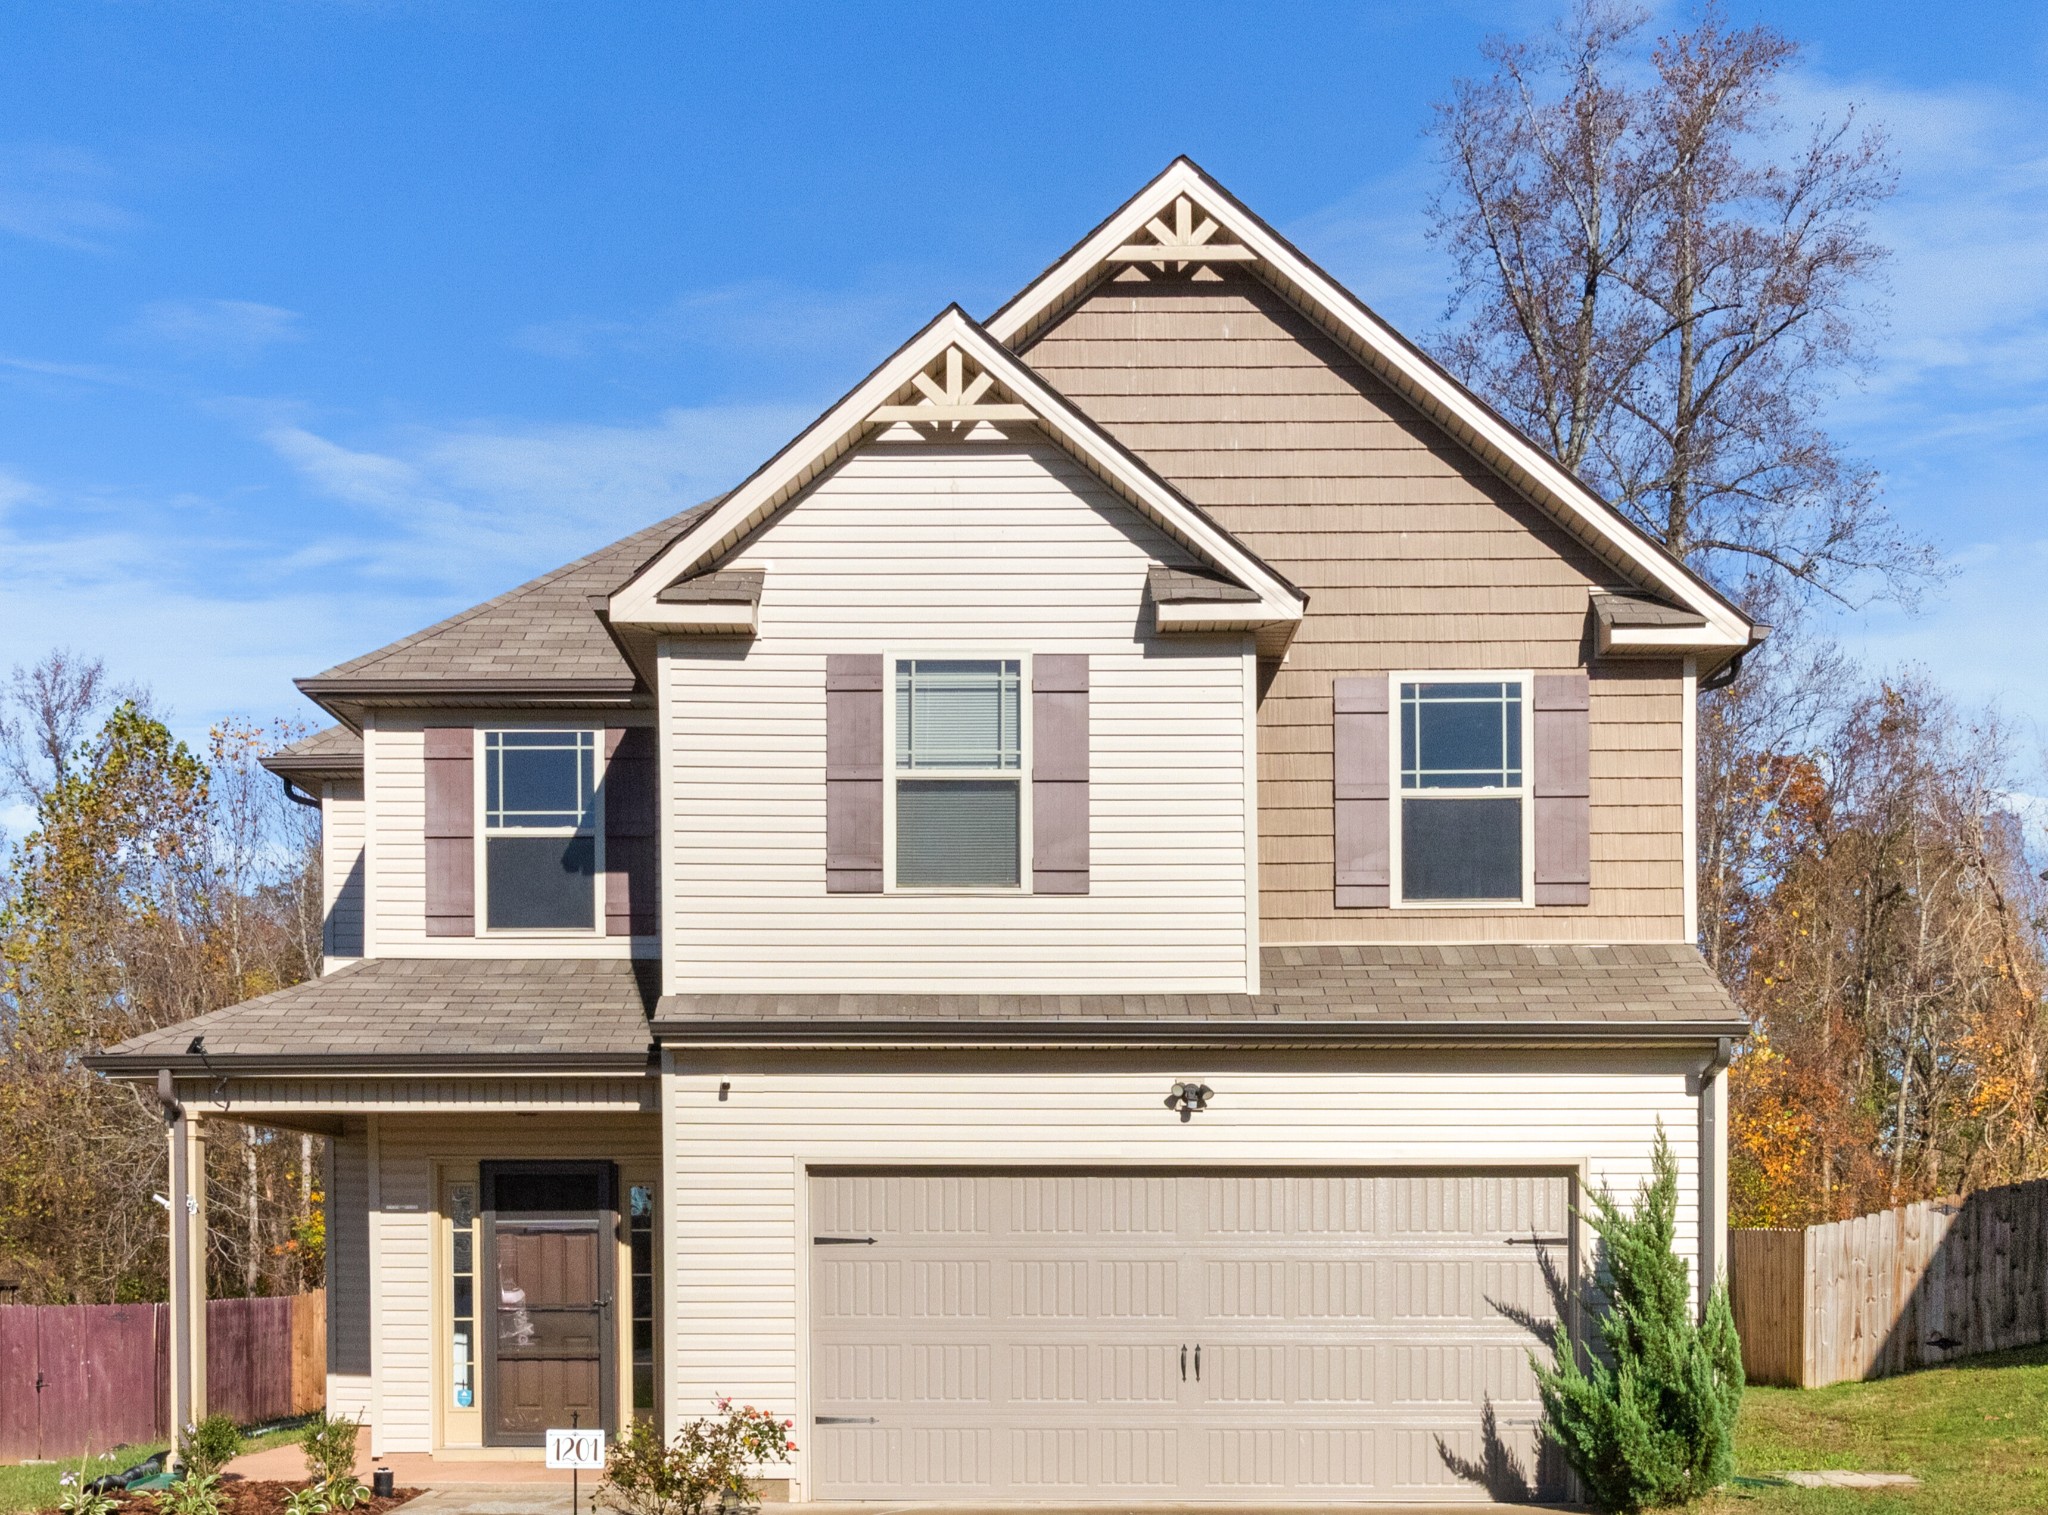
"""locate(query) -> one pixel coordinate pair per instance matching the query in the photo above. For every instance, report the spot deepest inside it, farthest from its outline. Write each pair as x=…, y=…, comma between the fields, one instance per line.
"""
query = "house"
x=1077, y=934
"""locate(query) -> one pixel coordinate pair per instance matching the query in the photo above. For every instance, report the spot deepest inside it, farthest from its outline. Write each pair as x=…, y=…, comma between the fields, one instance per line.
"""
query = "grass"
x=1975, y=1434
x=34, y=1486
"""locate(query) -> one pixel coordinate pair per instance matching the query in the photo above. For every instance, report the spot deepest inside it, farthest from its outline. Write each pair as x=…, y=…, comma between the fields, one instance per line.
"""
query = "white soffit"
x=1168, y=214
x=928, y=377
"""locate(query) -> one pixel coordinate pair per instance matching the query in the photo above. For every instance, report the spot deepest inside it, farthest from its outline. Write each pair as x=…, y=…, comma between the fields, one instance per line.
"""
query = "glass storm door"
x=548, y=1327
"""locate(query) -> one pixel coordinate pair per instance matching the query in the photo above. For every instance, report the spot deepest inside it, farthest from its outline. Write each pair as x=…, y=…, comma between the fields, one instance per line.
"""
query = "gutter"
x=138, y=1065
x=851, y=1033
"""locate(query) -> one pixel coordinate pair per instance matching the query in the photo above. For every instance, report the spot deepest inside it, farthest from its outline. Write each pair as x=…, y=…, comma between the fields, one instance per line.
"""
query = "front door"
x=549, y=1239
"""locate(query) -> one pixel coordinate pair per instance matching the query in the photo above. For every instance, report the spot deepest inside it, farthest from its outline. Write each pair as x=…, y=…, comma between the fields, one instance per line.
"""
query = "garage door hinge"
x=843, y=1420
x=842, y=1241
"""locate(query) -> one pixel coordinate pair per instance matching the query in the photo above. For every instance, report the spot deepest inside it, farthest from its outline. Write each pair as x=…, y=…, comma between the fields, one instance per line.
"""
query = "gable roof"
x=951, y=338
x=542, y=639
x=1231, y=232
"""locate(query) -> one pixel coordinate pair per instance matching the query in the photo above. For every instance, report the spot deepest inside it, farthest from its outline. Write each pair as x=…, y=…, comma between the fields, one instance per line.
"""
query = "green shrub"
x=704, y=1469
x=194, y=1494
x=1651, y=1420
x=329, y=1442
x=209, y=1446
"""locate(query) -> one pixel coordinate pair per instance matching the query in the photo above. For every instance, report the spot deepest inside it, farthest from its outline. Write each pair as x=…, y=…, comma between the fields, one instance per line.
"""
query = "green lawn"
x=1975, y=1435
x=33, y=1486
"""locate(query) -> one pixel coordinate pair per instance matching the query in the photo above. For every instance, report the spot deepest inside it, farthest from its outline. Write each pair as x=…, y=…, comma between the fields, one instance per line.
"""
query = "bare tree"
x=46, y=713
x=1662, y=285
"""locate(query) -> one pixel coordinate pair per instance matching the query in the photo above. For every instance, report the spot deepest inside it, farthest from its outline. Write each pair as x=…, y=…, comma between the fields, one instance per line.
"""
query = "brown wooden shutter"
x=451, y=831
x=1059, y=773
x=1362, y=823
x=1562, y=784
x=631, y=849
x=853, y=773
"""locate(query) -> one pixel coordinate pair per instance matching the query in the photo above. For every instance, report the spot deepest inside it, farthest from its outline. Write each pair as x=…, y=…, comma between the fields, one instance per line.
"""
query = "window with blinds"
x=958, y=772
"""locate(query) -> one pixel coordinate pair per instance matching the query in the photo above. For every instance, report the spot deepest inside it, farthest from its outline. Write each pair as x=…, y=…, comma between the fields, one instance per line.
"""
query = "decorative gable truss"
x=950, y=383
x=1183, y=221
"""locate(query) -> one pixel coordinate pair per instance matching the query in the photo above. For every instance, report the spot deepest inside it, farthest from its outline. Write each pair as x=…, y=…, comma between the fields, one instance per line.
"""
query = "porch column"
x=187, y=1144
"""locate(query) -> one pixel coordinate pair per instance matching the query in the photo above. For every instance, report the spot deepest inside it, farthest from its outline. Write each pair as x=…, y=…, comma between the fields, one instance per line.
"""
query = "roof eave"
x=144, y=1065
x=1247, y=1034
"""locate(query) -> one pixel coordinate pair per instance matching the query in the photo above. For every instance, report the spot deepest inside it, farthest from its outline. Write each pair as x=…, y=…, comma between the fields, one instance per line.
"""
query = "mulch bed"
x=266, y=1496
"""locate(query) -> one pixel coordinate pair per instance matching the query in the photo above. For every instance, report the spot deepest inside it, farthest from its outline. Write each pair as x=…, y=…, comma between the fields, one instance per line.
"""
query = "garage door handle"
x=1537, y=1241
x=843, y=1420
x=1198, y=1364
x=1183, y=1362
x=842, y=1241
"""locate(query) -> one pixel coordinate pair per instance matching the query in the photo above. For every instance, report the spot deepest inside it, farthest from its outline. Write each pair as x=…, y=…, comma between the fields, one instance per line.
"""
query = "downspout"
x=1707, y=1088
x=296, y=795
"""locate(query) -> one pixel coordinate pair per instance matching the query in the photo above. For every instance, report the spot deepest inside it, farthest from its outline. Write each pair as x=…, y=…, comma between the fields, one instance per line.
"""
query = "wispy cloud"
x=57, y=194
x=761, y=318
x=233, y=329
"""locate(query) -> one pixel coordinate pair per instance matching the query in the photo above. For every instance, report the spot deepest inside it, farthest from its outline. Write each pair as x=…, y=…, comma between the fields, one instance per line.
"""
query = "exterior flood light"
x=1188, y=1098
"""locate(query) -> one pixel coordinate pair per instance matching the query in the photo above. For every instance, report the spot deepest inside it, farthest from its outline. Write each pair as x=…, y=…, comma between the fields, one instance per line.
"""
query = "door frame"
x=607, y=1213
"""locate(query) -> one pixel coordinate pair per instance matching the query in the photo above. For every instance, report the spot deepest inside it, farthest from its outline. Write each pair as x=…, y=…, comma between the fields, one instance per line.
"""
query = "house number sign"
x=572, y=1448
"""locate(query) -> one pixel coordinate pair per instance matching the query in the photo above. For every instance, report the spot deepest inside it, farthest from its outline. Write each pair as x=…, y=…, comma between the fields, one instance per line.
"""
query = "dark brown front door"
x=549, y=1330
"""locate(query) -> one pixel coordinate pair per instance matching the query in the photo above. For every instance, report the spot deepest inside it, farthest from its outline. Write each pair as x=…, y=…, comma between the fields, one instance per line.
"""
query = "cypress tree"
x=1650, y=1418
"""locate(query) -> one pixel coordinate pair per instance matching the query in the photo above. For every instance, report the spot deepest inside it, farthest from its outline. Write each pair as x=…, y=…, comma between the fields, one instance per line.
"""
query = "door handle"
x=1198, y=1362
x=1183, y=1362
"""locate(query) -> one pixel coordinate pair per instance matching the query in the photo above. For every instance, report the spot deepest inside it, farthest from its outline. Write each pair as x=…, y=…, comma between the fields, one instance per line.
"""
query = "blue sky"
x=319, y=321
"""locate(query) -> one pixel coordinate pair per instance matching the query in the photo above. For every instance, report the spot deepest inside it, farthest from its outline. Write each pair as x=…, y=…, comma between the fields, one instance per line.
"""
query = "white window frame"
x=1525, y=792
x=891, y=773
x=600, y=764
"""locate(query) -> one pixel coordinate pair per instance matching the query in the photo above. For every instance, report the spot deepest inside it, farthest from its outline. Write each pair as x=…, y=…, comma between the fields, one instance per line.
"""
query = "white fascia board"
x=702, y=620
x=847, y=424
x=1207, y=617
x=1387, y=353
x=1647, y=641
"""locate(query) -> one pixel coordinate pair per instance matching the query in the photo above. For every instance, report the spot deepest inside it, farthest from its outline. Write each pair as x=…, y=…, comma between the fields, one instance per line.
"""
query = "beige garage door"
x=1305, y=1336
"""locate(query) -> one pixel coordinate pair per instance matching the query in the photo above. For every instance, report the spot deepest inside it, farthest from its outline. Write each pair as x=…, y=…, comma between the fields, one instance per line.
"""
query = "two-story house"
x=1077, y=934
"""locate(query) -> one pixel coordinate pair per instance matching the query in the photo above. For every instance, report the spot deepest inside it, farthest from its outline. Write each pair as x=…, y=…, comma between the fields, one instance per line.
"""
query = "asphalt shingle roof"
x=1329, y=986
x=331, y=750
x=580, y=1012
x=544, y=630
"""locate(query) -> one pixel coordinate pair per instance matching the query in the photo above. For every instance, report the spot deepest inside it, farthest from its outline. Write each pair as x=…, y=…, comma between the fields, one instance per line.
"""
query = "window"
x=1463, y=792
x=959, y=773
x=640, y=1239
x=462, y=1294
x=540, y=830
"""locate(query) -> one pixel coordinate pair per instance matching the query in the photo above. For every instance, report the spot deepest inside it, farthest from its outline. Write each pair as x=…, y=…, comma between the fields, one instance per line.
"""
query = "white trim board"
x=1395, y=360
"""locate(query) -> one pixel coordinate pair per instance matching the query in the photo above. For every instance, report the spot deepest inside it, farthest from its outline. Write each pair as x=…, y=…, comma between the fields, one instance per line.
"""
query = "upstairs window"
x=958, y=773
x=1464, y=791
x=540, y=830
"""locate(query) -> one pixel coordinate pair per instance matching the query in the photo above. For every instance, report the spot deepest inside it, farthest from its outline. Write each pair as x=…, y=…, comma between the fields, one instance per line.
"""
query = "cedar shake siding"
x=1414, y=556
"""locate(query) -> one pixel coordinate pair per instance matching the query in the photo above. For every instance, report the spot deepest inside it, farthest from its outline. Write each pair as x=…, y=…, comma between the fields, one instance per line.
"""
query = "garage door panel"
x=1036, y=1335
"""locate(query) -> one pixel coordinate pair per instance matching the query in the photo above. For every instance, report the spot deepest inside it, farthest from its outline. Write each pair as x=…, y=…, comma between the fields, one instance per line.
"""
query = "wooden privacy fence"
x=78, y=1378
x=1882, y=1294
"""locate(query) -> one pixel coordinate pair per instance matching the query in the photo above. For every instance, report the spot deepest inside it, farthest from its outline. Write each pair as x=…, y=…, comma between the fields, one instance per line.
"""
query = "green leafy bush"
x=1651, y=1420
x=329, y=1442
x=194, y=1494
x=704, y=1469
x=79, y=1497
x=210, y=1446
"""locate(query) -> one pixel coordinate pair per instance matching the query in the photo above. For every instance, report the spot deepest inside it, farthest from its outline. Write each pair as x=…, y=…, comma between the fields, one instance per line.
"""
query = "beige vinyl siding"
x=397, y=850
x=735, y=1168
x=341, y=874
x=1414, y=557
x=408, y=1333
x=348, y=1273
x=998, y=548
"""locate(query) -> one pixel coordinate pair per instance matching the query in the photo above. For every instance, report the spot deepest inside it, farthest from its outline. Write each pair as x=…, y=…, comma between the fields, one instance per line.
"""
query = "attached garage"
x=1179, y=1335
